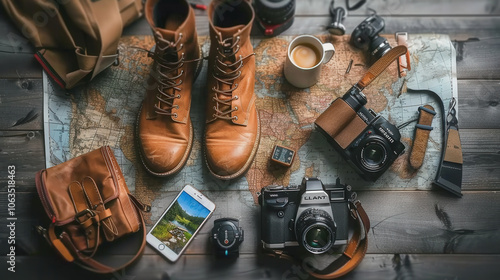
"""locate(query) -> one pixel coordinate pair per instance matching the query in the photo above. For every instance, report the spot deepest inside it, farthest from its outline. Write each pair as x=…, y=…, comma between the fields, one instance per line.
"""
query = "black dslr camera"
x=365, y=139
x=312, y=215
x=366, y=37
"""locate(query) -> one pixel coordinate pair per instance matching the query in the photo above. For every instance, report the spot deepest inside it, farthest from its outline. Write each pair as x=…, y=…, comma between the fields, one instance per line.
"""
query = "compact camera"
x=365, y=139
x=312, y=215
x=366, y=37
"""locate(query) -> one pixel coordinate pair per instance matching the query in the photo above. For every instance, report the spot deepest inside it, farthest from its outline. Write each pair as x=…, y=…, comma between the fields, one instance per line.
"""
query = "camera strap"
x=354, y=251
x=378, y=67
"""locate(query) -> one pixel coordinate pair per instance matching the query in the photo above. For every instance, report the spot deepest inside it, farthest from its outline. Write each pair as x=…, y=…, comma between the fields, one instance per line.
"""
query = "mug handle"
x=329, y=51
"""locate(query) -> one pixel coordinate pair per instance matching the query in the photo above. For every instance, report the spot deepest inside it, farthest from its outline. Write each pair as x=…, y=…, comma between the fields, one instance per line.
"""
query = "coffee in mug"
x=305, y=55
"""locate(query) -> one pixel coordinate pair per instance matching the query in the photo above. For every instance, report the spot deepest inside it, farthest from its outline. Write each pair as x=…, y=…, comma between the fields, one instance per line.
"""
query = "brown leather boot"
x=164, y=130
x=232, y=130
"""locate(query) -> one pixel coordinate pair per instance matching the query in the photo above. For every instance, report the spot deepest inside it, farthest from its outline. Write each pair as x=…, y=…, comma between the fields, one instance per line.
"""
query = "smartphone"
x=182, y=220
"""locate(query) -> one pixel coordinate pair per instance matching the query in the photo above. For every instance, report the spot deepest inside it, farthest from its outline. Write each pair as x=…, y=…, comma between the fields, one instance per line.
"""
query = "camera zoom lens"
x=315, y=230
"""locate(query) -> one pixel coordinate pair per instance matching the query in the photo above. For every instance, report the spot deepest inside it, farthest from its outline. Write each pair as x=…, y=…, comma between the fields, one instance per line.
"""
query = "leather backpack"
x=74, y=40
x=89, y=204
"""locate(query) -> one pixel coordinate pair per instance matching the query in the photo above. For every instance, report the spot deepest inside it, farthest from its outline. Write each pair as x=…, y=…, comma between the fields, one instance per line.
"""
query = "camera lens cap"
x=227, y=237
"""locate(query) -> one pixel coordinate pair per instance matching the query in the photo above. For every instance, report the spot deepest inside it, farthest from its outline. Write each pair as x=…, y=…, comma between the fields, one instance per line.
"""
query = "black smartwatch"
x=227, y=237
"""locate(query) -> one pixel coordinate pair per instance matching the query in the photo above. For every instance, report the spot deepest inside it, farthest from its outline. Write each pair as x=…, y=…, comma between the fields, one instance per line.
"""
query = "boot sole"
x=185, y=157
x=245, y=167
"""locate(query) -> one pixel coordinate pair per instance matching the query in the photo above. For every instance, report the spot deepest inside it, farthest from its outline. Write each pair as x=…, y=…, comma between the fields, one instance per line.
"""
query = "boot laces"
x=226, y=71
x=166, y=73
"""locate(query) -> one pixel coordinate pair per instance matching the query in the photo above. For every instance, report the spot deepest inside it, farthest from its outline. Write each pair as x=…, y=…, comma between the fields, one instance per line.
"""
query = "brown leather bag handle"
x=353, y=253
x=64, y=246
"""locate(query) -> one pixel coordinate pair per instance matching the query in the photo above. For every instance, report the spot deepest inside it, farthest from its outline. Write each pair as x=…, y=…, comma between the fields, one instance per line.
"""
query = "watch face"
x=226, y=235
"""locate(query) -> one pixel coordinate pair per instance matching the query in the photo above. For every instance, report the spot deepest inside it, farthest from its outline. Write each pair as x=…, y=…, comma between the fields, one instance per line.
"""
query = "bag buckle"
x=84, y=213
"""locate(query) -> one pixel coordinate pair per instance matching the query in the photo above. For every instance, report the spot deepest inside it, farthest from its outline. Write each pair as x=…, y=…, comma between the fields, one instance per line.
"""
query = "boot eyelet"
x=236, y=97
x=178, y=96
x=235, y=108
x=176, y=107
x=235, y=118
x=175, y=115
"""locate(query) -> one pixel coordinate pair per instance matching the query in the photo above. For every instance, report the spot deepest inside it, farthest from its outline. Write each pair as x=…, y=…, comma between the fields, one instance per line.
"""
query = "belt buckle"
x=84, y=213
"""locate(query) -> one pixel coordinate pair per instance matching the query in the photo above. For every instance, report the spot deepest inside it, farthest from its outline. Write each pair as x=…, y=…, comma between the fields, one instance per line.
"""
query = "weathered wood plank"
x=481, y=153
x=478, y=96
x=417, y=222
x=16, y=52
x=459, y=27
x=21, y=104
x=402, y=8
x=373, y=266
x=397, y=7
x=25, y=151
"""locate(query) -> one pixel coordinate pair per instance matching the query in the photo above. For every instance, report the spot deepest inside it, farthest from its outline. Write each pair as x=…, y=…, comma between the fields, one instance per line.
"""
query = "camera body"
x=312, y=215
x=366, y=37
x=366, y=140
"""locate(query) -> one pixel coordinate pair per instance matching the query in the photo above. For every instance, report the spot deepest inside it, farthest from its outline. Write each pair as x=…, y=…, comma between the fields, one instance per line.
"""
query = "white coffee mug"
x=305, y=77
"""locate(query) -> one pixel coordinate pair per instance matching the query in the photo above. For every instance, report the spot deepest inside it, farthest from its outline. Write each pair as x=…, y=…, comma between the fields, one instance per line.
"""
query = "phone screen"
x=180, y=222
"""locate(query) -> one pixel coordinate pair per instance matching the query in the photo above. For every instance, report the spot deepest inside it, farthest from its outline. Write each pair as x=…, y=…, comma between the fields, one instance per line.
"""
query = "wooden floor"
x=428, y=234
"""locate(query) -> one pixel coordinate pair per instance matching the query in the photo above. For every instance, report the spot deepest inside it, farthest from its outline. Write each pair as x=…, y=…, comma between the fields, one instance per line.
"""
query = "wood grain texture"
x=478, y=96
x=24, y=150
x=416, y=222
x=373, y=267
x=21, y=104
x=460, y=27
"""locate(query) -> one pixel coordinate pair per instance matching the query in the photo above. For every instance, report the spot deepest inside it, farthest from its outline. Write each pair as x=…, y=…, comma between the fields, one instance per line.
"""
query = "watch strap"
x=422, y=132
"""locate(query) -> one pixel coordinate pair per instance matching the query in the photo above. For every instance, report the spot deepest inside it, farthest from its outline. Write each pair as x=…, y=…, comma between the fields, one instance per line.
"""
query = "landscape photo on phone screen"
x=180, y=222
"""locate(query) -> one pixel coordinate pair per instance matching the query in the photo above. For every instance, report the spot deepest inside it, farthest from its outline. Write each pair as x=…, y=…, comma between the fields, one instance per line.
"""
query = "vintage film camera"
x=312, y=215
x=274, y=16
x=365, y=139
x=366, y=37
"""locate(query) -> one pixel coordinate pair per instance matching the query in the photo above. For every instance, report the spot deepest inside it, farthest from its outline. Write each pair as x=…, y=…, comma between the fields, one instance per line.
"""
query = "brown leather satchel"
x=74, y=40
x=88, y=203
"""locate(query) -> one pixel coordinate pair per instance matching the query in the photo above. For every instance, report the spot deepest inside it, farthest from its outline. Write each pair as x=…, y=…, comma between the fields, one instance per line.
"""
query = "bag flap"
x=52, y=183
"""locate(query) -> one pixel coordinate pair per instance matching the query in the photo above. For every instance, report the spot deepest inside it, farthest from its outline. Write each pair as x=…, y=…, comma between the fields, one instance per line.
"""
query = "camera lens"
x=317, y=236
x=315, y=230
x=373, y=154
x=378, y=47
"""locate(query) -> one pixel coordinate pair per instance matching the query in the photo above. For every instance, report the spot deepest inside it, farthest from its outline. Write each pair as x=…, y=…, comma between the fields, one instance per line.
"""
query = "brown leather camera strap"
x=353, y=253
x=378, y=67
